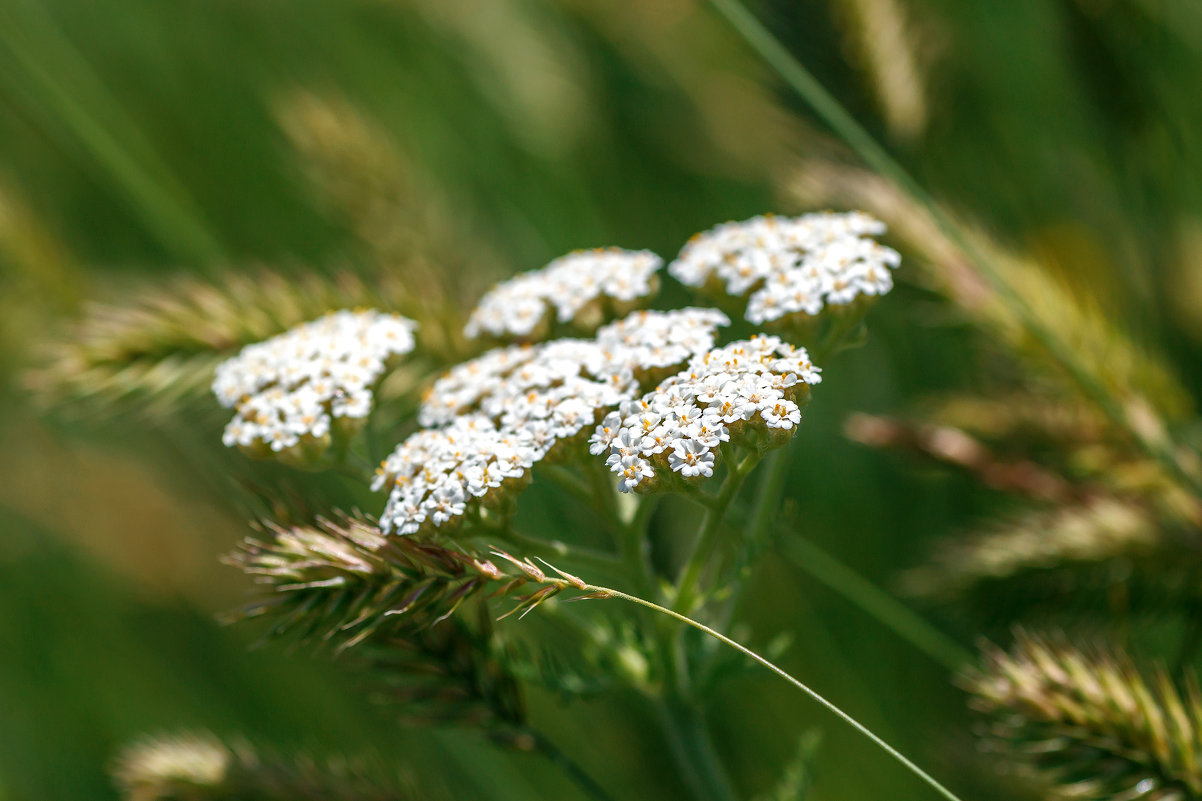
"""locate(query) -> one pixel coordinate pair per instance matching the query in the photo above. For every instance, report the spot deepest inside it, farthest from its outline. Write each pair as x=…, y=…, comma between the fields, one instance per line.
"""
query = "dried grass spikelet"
x=895, y=54
x=388, y=607
x=353, y=164
x=1093, y=532
x=339, y=581
x=1023, y=416
x=198, y=766
x=1089, y=723
x=1140, y=379
x=160, y=347
x=954, y=446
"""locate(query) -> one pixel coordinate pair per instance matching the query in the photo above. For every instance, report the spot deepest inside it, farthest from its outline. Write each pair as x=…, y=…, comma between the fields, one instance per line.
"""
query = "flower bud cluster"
x=786, y=266
x=573, y=286
x=493, y=418
x=291, y=389
x=748, y=392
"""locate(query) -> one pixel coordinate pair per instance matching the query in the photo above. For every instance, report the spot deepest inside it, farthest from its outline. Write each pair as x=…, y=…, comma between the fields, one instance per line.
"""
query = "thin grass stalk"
x=886, y=609
x=1154, y=442
x=606, y=592
x=566, y=581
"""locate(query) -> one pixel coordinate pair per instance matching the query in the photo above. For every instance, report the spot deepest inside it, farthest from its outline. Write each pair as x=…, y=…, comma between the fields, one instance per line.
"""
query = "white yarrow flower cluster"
x=730, y=393
x=522, y=382
x=531, y=398
x=652, y=340
x=568, y=285
x=786, y=266
x=436, y=473
x=289, y=390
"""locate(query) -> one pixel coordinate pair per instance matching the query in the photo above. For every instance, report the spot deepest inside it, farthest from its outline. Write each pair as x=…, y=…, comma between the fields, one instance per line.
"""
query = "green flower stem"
x=755, y=540
x=605, y=592
x=634, y=545
x=889, y=611
x=686, y=588
x=1154, y=443
x=693, y=751
x=772, y=488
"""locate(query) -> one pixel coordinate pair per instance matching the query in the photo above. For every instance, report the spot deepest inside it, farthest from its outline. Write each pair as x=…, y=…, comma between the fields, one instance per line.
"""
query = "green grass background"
x=138, y=141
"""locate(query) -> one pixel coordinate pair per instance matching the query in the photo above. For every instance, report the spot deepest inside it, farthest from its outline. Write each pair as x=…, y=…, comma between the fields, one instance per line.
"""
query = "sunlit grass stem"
x=47, y=59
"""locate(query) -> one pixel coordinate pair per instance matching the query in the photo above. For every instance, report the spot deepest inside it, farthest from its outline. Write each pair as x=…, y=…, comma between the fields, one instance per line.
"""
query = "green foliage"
x=416, y=151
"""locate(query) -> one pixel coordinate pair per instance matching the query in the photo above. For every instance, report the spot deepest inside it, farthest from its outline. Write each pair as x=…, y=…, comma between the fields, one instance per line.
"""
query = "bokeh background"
x=448, y=143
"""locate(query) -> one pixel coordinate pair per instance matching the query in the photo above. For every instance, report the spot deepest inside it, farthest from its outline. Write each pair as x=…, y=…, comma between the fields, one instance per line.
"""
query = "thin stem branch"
x=686, y=588
x=566, y=581
x=876, y=157
x=755, y=540
x=634, y=545
x=570, y=483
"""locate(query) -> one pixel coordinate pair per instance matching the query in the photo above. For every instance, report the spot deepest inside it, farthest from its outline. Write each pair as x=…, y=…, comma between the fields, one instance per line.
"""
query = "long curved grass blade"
x=1092, y=533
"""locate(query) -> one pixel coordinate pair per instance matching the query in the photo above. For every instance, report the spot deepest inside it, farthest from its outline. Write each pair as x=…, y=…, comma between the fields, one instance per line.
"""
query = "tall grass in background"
x=1037, y=166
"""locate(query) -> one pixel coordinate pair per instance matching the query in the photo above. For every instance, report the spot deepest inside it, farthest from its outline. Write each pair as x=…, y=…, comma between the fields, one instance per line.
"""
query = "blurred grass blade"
x=76, y=104
x=889, y=611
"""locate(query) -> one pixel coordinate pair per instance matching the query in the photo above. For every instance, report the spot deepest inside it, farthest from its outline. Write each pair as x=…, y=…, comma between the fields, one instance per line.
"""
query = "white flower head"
x=569, y=383
x=790, y=265
x=568, y=286
x=490, y=419
x=436, y=475
x=744, y=391
x=650, y=340
x=290, y=389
